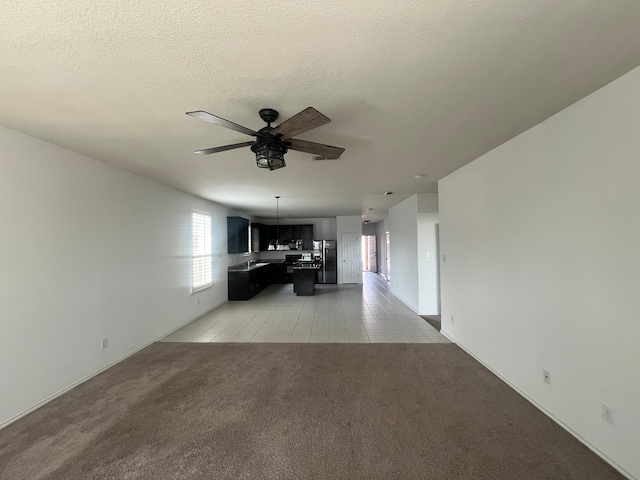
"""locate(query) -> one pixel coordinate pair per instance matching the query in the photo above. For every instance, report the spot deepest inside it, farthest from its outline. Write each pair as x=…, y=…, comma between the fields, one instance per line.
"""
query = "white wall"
x=88, y=251
x=348, y=224
x=381, y=229
x=403, y=228
x=542, y=271
x=428, y=281
x=414, y=252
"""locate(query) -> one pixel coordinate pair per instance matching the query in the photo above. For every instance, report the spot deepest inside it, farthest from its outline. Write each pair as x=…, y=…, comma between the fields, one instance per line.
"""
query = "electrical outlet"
x=452, y=321
x=444, y=258
x=198, y=301
x=104, y=343
x=546, y=377
x=608, y=413
x=428, y=254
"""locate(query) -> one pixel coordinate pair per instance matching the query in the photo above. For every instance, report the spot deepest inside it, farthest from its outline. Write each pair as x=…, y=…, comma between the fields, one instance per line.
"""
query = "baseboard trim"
x=591, y=447
x=17, y=417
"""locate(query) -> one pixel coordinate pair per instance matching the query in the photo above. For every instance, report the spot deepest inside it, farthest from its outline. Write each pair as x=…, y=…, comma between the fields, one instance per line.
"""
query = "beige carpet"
x=294, y=411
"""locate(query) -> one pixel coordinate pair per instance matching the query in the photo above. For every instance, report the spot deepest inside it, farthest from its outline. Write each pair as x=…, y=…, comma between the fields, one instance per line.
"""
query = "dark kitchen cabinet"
x=237, y=235
x=270, y=234
x=239, y=286
x=279, y=273
x=244, y=284
x=285, y=234
x=260, y=237
x=307, y=237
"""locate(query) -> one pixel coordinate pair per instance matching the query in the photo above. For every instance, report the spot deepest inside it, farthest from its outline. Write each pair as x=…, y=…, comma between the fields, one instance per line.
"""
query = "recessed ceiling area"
x=411, y=88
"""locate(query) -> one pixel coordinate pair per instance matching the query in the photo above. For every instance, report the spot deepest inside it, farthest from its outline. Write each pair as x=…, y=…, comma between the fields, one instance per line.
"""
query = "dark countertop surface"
x=247, y=266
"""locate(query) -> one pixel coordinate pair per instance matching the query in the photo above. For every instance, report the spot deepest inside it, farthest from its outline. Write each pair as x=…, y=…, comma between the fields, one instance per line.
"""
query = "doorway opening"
x=387, y=242
x=369, y=254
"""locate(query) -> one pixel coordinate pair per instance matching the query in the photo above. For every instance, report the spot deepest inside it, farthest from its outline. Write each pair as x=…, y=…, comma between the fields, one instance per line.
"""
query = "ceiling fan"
x=272, y=143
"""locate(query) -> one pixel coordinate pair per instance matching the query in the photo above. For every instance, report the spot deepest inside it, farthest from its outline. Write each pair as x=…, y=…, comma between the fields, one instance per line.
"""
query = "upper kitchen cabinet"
x=307, y=237
x=298, y=232
x=287, y=233
x=260, y=237
x=237, y=235
x=284, y=234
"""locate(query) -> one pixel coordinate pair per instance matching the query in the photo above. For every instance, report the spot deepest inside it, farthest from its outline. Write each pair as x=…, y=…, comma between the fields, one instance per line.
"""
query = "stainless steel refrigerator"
x=327, y=253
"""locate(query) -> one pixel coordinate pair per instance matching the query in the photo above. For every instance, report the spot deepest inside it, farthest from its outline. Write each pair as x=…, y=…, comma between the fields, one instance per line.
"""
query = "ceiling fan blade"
x=302, y=122
x=208, y=151
x=313, y=148
x=208, y=117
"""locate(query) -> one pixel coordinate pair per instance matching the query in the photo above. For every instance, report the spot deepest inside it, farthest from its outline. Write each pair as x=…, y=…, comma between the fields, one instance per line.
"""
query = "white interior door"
x=350, y=257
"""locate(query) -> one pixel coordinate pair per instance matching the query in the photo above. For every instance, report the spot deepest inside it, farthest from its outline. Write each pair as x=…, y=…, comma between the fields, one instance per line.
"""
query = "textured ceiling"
x=412, y=87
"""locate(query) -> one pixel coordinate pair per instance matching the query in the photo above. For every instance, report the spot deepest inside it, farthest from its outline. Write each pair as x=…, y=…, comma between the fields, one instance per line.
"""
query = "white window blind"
x=201, y=250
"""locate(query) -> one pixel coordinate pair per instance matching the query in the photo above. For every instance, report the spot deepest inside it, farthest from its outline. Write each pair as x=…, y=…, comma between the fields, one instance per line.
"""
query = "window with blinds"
x=201, y=250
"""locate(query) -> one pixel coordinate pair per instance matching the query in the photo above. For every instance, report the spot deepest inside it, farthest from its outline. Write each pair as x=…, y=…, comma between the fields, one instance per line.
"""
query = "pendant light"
x=273, y=244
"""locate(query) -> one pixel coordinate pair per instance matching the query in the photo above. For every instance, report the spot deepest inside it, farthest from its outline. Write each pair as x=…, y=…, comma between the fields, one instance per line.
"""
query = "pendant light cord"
x=277, y=220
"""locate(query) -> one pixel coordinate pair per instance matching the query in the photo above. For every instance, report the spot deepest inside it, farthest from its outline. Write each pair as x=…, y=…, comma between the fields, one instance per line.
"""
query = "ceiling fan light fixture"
x=269, y=154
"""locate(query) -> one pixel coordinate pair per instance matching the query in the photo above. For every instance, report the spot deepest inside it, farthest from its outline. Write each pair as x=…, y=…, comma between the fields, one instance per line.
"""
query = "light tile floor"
x=366, y=313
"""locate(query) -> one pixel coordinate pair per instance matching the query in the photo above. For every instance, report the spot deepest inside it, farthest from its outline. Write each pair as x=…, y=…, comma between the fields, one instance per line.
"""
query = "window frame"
x=250, y=247
x=196, y=256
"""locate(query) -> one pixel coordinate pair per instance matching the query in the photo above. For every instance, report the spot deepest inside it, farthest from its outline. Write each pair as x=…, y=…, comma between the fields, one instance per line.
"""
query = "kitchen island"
x=304, y=279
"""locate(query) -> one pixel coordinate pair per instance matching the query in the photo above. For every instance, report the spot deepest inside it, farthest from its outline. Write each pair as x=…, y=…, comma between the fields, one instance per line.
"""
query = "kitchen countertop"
x=247, y=267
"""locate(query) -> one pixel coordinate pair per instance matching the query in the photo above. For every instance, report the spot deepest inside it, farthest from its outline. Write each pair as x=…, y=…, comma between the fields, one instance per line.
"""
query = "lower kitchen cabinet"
x=244, y=284
x=279, y=273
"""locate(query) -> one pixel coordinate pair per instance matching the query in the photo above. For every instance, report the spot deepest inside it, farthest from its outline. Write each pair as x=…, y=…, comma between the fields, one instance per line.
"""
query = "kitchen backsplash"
x=279, y=254
x=235, y=259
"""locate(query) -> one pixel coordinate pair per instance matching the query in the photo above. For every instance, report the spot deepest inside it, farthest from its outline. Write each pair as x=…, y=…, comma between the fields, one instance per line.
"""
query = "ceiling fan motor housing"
x=269, y=115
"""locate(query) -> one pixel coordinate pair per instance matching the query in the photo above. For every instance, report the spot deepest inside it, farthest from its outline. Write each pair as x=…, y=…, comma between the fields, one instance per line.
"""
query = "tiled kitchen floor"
x=336, y=313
